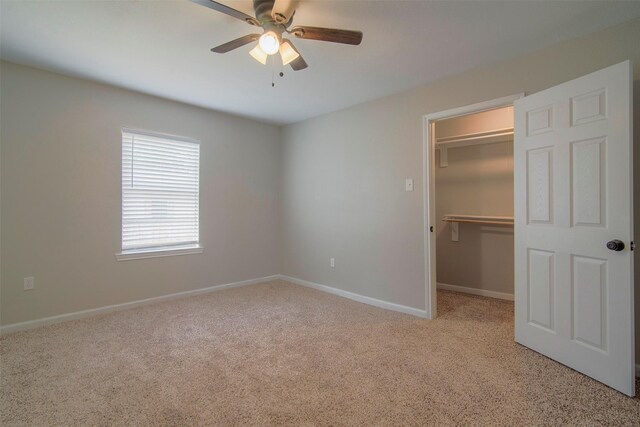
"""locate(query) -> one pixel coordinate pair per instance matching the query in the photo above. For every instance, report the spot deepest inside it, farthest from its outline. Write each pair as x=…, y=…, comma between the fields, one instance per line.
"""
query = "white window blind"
x=160, y=191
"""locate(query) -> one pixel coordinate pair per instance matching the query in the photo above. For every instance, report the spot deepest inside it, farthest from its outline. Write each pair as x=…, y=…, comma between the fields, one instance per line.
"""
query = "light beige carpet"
x=278, y=353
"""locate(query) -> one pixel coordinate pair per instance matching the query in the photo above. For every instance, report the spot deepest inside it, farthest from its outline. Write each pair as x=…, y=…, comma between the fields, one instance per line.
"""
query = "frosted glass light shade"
x=258, y=54
x=288, y=53
x=269, y=42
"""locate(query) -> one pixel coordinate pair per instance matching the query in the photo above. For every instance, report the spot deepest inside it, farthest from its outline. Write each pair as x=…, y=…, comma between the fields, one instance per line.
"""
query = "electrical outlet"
x=29, y=283
x=332, y=262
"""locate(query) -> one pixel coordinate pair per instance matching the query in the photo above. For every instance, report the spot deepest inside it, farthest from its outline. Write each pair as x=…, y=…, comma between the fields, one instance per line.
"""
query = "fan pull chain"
x=272, y=62
x=273, y=66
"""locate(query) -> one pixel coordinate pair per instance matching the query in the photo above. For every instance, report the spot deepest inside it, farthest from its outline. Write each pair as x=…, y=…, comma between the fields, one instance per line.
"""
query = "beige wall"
x=343, y=173
x=60, y=221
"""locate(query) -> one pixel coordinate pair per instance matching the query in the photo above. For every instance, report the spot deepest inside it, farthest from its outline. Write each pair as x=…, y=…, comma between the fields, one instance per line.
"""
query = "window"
x=160, y=195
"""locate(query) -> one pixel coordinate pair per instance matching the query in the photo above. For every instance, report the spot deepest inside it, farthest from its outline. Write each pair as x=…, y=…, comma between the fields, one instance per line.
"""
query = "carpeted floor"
x=277, y=353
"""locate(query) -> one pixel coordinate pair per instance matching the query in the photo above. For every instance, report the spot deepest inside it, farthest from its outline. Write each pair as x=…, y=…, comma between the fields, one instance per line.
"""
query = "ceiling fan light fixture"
x=269, y=42
x=288, y=53
x=258, y=54
x=275, y=17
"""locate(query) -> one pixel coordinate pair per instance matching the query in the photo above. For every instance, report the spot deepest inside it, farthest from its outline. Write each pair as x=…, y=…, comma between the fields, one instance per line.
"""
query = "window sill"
x=159, y=252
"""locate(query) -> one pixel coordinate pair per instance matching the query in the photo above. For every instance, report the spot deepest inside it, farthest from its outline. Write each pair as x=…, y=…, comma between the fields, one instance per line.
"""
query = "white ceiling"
x=162, y=47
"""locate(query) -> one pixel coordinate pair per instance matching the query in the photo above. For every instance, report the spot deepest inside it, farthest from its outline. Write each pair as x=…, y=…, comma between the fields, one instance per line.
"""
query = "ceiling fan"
x=275, y=17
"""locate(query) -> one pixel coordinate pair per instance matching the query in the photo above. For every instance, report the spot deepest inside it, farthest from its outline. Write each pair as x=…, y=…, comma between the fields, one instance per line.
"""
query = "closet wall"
x=477, y=181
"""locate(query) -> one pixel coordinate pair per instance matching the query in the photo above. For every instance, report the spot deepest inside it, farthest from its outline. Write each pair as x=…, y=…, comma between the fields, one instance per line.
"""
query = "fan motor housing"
x=263, y=10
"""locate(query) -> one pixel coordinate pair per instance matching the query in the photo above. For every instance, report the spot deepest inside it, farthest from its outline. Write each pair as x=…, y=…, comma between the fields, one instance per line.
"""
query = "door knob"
x=615, y=245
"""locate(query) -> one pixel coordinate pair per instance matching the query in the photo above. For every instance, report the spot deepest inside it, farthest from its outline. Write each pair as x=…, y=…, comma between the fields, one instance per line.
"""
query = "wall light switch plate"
x=332, y=262
x=408, y=184
x=29, y=283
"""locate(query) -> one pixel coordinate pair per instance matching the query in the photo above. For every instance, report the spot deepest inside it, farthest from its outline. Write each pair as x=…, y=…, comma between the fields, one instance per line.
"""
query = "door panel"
x=588, y=183
x=588, y=107
x=540, y=180
x=589, y=287
x=573, y=186
x=540, y=285
x=540, y=120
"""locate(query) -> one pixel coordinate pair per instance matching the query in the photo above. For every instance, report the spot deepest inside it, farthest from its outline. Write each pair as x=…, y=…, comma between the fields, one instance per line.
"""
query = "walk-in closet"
x=474, y=203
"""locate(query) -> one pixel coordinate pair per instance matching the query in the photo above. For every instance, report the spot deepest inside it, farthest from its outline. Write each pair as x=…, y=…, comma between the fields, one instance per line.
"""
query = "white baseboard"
x=356, y=297
x=21, y=326
x=474, y=291
x=15, y=327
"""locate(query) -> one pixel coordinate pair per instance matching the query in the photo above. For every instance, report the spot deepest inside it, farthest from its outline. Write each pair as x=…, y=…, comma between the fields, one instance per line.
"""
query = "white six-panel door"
x=573, y=194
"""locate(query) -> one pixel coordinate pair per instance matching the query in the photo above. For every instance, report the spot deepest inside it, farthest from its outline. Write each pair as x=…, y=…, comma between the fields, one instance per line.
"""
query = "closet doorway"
x=474, y=203
x=470, y=200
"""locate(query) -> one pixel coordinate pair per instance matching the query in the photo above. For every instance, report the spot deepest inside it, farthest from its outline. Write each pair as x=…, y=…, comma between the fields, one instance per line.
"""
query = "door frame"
x=428, y=187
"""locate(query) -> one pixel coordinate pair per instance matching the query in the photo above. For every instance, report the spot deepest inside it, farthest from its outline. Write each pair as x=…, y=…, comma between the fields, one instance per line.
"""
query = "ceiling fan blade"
x=283, y=10
x=234, y=44
x=228, y=11
x=328, y=35
x=299, y=63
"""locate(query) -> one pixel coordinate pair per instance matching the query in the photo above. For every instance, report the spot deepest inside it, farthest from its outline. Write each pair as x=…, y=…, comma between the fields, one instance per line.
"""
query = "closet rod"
x=478, y=219
x=474, y=221
x=497, y=135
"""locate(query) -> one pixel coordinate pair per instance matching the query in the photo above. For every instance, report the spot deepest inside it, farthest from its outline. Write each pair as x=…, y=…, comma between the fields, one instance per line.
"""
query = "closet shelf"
x=477, y=219
x=491, y=137
x=481, y=138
